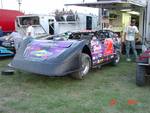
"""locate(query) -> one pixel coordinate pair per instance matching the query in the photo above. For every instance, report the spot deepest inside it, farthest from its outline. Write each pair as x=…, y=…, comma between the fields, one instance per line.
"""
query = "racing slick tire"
x=85, y=67
x=140, y=75
x=116, y=58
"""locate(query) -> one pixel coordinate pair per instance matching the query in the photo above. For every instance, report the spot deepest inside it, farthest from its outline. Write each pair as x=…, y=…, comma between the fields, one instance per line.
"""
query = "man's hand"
x=139, y=37
x=138, y=40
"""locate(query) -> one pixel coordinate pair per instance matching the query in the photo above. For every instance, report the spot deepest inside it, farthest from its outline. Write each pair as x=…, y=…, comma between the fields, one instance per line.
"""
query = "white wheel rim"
x=85, y=66
x=117, y=58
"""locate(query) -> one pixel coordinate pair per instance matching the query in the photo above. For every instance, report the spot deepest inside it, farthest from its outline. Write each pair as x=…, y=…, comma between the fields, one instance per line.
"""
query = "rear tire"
x=140, y=75
x=85, y=67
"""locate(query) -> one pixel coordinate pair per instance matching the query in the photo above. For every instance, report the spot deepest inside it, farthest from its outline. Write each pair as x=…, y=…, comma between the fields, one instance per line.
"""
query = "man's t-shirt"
x=130, y=32
x=30, y=29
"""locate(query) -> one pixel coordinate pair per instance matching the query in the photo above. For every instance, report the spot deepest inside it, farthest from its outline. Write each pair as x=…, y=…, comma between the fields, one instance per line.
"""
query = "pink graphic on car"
x=101, y=49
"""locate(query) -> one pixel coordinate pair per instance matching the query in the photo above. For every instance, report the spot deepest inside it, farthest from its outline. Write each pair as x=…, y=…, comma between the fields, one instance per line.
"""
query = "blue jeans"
x=130, y=44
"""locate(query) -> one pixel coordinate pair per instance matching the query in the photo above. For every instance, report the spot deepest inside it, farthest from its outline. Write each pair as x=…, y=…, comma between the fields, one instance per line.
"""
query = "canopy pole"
x=100, y=18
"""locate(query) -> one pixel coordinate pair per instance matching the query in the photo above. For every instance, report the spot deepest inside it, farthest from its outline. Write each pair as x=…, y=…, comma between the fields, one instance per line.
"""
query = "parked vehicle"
x=5, y=52
x=143, y=68
x=6, y=47
x=73, y=52
x=143, y=62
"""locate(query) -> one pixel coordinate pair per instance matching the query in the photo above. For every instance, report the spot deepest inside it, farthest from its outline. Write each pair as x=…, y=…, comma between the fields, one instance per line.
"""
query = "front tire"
x=140, y=75
x=116, y=58
x=85, y=67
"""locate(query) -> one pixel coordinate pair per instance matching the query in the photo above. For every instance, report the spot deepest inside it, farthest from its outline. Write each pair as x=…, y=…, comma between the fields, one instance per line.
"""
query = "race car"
x=5, y=49
x=73, y=52
x=5, y=52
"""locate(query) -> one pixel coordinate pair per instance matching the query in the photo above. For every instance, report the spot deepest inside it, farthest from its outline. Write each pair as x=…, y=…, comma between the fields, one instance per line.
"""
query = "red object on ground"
x=113, y=102
x=132, y=102
x=7, y=19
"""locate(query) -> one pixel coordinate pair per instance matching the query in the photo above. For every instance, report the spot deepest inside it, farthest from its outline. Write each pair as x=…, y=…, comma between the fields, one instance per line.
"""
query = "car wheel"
x=116, y=58
x=140, y=75
x=85, y=67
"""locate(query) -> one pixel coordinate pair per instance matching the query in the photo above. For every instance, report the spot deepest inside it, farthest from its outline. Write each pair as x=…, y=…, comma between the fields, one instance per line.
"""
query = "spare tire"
x=140, y=75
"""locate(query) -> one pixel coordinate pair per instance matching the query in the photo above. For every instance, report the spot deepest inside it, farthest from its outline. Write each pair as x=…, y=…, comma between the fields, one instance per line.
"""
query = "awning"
x=111, y=4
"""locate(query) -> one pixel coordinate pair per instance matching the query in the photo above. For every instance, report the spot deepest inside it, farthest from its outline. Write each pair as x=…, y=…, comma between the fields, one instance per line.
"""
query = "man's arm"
x=138, y=36
x=9, y=37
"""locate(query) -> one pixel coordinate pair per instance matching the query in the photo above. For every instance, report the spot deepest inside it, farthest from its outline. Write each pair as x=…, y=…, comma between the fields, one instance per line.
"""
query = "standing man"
x=17, y=38
x=130, y=34
x=30, y=30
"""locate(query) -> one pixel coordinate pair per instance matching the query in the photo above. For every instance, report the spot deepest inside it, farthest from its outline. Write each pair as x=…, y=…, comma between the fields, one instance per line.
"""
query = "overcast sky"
x=45, y=6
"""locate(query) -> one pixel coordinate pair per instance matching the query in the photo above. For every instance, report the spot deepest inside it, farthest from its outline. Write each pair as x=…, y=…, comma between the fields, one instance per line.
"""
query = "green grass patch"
x=29, y=93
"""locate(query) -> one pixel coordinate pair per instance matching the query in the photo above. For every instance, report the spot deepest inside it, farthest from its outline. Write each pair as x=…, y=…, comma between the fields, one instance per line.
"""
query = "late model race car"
x=6, y=47
x=75, y=52
x=5, y=52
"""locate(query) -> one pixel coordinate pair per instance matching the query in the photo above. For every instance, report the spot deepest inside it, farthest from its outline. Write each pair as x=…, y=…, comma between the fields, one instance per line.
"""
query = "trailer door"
x=88, y=23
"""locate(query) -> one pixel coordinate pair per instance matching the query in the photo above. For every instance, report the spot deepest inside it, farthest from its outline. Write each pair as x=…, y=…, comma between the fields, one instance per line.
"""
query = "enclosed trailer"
x=56, y=24
x=7, y=19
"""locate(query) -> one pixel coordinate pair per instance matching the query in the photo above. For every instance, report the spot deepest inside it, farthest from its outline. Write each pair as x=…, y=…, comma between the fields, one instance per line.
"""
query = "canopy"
x=113, y=4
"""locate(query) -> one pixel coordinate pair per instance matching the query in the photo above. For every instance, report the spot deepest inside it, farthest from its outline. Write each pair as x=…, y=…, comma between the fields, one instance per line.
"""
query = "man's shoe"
x=128, y=59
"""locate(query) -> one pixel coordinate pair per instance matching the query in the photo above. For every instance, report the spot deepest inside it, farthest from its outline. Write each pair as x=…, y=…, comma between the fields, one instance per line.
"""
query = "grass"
x=107, y=90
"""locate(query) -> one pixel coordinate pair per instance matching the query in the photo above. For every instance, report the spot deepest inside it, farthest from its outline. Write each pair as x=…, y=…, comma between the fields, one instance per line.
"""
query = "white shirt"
x=130, y=32
x=30, y=30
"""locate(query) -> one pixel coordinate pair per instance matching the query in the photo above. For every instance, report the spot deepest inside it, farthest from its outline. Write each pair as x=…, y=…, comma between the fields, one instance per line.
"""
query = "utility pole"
x=100, y=18
x=2, y=4
x=19, y=3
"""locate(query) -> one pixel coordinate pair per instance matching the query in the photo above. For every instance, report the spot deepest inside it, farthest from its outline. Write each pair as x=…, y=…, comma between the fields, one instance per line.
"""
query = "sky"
x=45, y=6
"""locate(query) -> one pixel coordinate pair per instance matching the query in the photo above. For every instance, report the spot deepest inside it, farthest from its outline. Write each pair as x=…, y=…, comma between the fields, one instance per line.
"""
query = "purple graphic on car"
x=42, y=50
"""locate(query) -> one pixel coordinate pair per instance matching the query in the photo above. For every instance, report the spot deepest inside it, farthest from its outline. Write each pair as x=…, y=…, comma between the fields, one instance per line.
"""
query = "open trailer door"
x=148, y=22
